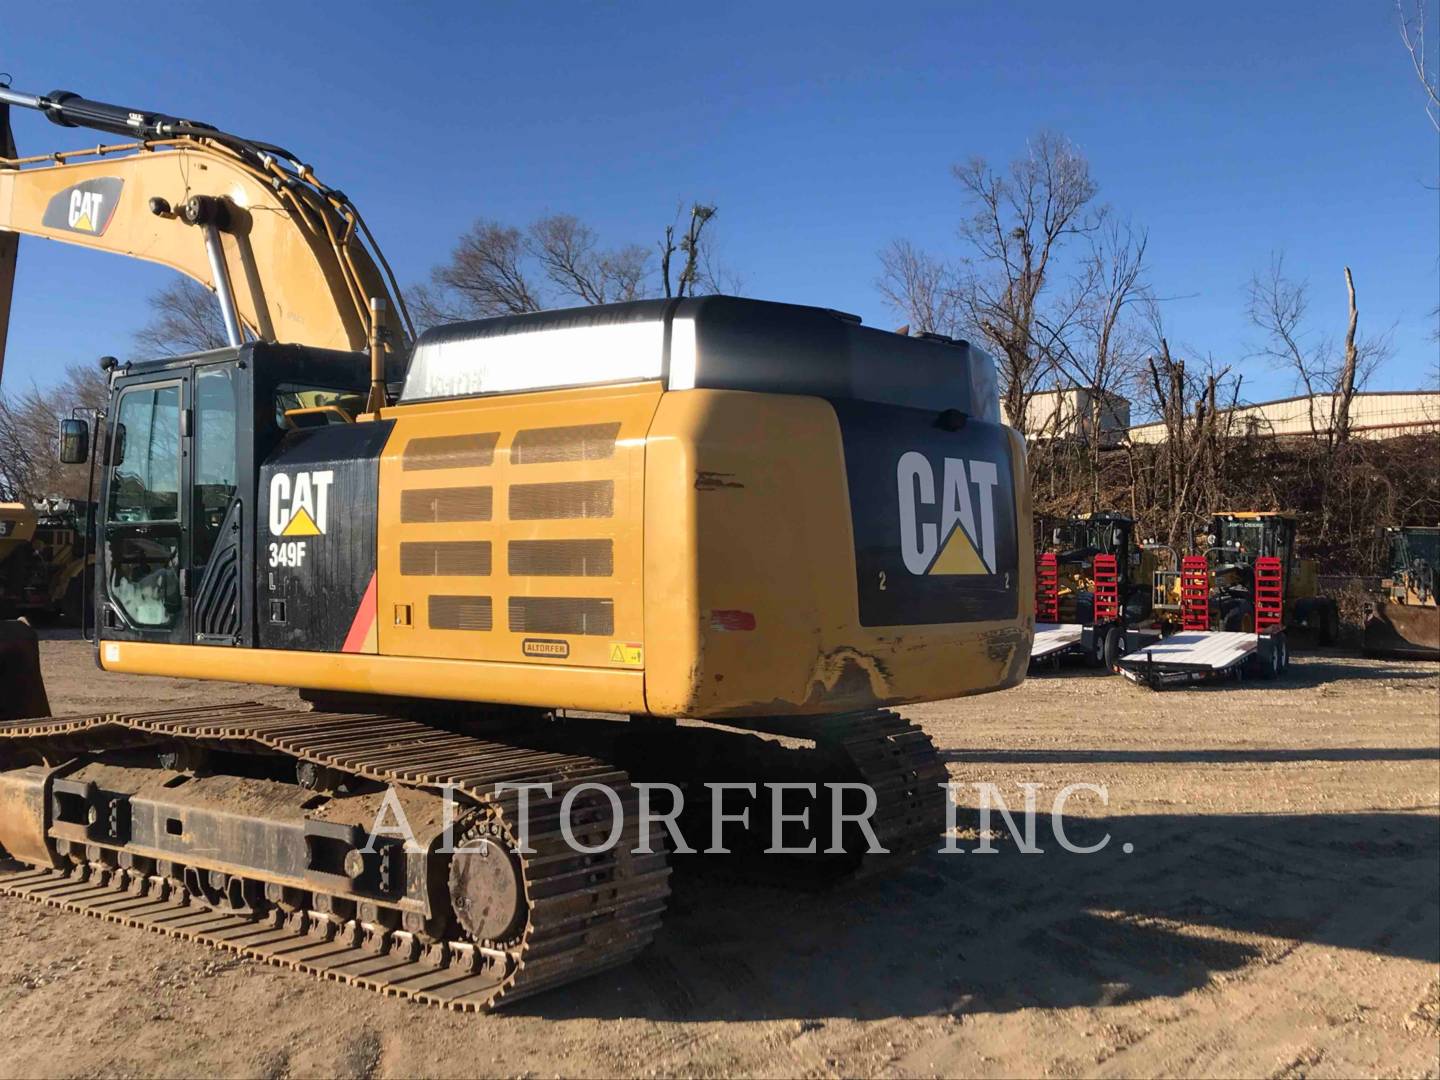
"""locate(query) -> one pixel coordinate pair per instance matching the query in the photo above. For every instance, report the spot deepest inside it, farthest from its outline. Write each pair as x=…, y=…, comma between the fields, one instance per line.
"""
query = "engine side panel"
x=512, y=529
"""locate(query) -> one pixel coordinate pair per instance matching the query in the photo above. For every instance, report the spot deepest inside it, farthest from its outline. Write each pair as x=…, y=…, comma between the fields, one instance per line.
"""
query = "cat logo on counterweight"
x=949, y=529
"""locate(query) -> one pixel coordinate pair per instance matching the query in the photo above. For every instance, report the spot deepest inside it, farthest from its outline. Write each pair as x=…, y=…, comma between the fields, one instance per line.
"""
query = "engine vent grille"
x=450, y=451
x=561, y=558
x=561, y=615
x=461, y=613
x=446, y=504
x=445, y=558
x=570, y=499
x=582, y=442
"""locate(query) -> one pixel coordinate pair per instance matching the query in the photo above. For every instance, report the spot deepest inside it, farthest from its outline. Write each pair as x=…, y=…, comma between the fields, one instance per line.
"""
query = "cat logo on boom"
x=300, y=505
x=962, y=541
x=85, y=207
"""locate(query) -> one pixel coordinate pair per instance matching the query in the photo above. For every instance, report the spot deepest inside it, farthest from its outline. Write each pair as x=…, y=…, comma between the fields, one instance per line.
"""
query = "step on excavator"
x=709, y=542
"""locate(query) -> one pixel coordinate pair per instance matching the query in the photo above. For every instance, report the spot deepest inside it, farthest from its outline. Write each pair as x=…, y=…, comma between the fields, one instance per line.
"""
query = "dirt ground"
x=1277, y=914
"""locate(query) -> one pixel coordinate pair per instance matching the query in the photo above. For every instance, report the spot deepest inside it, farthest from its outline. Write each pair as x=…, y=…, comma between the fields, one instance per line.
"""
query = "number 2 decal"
x=882, y=580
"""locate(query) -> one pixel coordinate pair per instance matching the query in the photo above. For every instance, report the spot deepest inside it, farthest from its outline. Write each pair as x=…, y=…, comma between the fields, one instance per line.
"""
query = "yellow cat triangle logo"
x=84, y=222
x=958, y=556
x=302, y=524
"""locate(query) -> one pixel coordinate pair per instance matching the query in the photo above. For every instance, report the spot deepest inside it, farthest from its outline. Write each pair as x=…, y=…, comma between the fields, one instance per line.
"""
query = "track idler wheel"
x=487, y=890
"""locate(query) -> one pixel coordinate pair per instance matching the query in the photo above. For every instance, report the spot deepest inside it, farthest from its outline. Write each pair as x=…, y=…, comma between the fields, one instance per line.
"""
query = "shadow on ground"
x=1050, y=755
x=1197, y=896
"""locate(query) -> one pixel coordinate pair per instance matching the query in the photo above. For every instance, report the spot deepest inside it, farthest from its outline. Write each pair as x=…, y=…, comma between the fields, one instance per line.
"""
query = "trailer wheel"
x=1114, y=647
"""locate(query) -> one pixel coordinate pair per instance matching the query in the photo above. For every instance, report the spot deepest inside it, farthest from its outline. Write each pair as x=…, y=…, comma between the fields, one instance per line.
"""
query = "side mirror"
x=117, y=452
x=74, y=441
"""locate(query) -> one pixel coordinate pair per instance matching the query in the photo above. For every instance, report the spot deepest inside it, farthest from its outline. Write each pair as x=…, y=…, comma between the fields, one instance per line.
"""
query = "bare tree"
x=567, y=252
x=1103, y=349
x=1020, y=220
x=1184, y=476
x=1329, y=376
x=485, y=276
x=921, y=288
x=1412, y=34
x=184, y=318
x=498, y=269
x=29, y=425
x=700, y=272
x=999, y=291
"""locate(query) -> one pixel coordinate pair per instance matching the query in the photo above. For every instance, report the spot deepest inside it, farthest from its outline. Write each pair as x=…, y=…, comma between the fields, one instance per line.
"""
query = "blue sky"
x=822, y=131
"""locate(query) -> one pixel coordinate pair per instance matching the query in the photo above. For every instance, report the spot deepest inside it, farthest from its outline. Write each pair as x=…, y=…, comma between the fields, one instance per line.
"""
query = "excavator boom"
x=290, y=259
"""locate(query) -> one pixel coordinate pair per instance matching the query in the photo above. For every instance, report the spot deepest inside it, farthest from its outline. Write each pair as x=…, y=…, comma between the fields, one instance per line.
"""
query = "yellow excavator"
x=499, y=562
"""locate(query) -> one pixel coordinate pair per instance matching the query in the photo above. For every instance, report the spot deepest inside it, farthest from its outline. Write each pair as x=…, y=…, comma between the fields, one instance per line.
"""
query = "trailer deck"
x=1197, y=655
x=1055, y=639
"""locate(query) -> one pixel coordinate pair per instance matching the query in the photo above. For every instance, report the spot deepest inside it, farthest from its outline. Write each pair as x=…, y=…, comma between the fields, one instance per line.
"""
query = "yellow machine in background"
x=1076, y=541
x=43, y=560
x=1405, y=620
x=17, y=529
x=715, y=508
x=1236, y=539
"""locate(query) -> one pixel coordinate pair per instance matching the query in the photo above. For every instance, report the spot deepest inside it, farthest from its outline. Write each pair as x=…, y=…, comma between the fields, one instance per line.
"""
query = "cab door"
x=145, y=524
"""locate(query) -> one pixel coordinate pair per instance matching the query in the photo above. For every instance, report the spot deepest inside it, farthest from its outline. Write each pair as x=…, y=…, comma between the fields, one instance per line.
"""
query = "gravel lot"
x=1277, y=914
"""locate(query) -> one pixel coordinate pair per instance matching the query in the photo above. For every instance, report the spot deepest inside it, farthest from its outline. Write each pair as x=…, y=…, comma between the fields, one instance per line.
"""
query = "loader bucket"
x=24, y=689
x=1407, y=631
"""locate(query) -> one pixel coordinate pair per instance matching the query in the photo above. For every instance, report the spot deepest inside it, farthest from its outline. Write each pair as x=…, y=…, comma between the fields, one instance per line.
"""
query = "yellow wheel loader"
x=764, y=516
x=1405, y=620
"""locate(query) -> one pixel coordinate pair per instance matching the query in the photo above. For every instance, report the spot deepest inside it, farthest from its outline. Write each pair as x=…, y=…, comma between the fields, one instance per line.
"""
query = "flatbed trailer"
x=1197, y=653
x=1191, y=656
x=1094, y=641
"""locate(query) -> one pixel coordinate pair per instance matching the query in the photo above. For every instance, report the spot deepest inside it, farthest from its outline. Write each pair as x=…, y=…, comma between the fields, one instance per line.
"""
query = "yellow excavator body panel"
x=627, y=549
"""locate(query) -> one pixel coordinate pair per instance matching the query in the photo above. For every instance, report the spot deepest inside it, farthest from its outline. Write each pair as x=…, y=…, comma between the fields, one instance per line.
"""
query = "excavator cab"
x=179, y=472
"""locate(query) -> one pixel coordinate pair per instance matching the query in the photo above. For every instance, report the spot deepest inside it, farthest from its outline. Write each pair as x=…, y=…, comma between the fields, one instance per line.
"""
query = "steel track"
x=585, y=913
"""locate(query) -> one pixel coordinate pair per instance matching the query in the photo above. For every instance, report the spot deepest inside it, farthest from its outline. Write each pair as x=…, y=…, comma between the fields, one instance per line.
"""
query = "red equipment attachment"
x=1047, y=588
x=1107, y=589
x=1269, y=594
x=1194, y=593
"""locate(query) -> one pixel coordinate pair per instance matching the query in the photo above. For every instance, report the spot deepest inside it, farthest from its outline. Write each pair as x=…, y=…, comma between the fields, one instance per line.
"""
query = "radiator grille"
x=450, y=451
x=453, y=558
x=561, y=615
x=582, y=442
x=461, y=613
x=446, y=504
x=570, y=499
x=562, y=558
